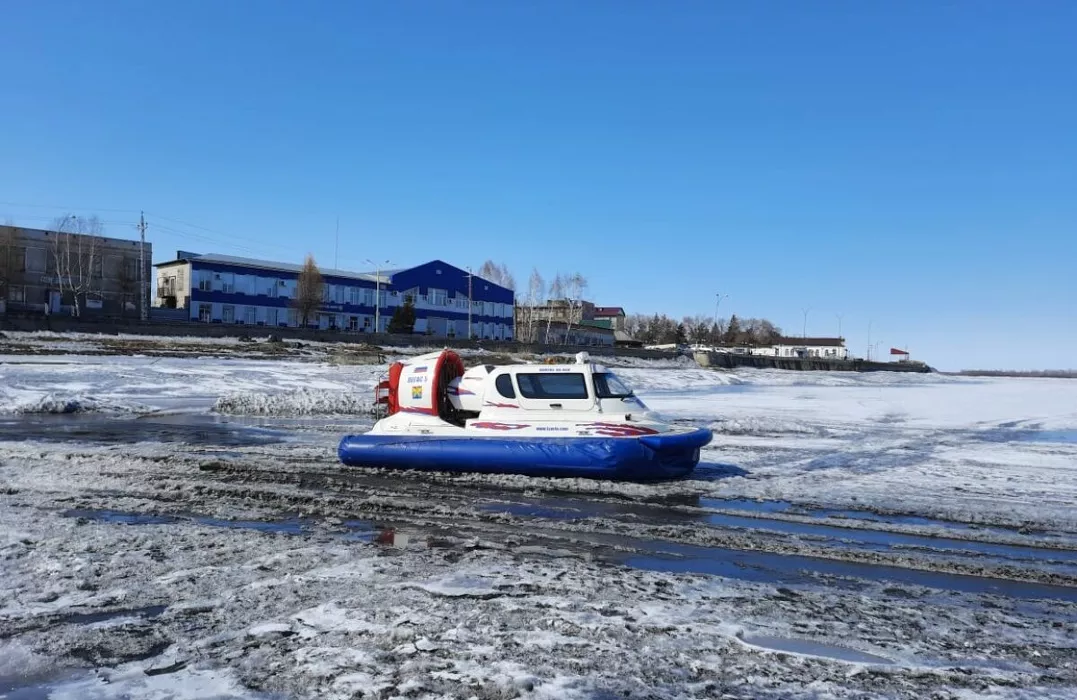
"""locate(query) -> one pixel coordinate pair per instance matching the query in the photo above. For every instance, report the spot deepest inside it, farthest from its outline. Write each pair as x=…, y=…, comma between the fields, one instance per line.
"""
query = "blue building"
x=233, y=290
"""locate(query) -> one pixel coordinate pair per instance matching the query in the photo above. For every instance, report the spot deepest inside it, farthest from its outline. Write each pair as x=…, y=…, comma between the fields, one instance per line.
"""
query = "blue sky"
x=908, y=164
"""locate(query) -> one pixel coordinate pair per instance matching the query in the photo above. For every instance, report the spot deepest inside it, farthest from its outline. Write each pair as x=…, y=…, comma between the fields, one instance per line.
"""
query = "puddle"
x=768, y=567
x=37, y=686
x=355, y=529
x=1006, y=434
x=1065, y=436
x=876, y=539
x=111, y=516
x=148, y=612
x=177, y=428
x=747, y=504
x=534, y=510
x=292, y=526
x=289, y=526
x=812, y=648
x=582, y=508
x=868, y=516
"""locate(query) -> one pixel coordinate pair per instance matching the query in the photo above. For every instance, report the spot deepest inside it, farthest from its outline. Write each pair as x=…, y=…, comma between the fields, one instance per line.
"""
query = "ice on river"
x=253, y=568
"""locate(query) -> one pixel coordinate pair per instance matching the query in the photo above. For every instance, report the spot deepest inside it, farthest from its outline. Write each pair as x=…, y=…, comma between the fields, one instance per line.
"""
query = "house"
x=613, y=316
x=245, y=291
x=830, y=348
x=40, y=268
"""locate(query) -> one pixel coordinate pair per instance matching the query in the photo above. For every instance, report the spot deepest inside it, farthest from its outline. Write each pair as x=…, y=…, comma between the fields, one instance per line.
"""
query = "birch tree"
x=498, y=274
x=308, y=291
x=536, y=288
x=557, y=293
x=75, y=252
x=575, y=286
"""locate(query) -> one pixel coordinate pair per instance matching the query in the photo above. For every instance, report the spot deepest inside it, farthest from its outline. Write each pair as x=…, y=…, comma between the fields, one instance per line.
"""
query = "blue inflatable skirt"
x=645, y=458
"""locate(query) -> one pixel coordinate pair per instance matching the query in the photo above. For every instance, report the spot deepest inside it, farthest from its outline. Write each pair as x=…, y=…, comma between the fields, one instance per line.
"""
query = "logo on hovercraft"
x=416, y=392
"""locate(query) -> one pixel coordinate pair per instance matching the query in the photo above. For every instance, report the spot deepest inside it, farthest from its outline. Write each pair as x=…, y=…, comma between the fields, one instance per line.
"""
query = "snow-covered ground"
x=184, y=531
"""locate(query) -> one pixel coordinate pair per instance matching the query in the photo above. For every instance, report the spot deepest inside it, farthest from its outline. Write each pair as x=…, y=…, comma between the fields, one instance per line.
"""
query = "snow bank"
x=301, y=402
x=27, y=403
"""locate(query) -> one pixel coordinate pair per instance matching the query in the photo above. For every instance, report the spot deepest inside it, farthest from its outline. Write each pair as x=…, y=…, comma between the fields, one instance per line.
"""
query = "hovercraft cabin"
x=234, y=290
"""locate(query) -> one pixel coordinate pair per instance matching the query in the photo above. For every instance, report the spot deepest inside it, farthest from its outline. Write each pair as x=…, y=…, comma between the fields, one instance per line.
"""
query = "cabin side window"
x=504, y=386
x=552, y=386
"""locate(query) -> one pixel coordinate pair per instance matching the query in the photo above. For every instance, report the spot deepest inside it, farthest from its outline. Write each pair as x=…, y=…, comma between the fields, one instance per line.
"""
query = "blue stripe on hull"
x=648, y=458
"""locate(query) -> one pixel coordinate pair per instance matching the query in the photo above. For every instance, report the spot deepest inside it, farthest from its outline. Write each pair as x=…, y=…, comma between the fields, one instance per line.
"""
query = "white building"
x=827, y=348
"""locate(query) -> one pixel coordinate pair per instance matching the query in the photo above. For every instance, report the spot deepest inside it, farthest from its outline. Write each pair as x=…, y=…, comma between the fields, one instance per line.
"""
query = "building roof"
x=609, y=311
x=594, y=325
x=47, y=233
x=254, y=263
x=815, y=342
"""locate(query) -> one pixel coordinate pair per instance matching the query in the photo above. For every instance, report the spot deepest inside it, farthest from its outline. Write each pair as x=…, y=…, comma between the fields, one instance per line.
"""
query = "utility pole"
x=142, y=293
x=804, y=331
x=377, y=292
x=469, y=276
x=839, y=324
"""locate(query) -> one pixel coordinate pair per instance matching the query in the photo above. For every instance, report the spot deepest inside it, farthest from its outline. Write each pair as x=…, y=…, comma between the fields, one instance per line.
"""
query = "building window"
x=205, y=313
x=353, y=323
x=552, y=386
x=16, y=293
x=271, y=317
x=180, y=283
x=252, y=315
x=205, y=280
x=228, y=313
x=36, y=260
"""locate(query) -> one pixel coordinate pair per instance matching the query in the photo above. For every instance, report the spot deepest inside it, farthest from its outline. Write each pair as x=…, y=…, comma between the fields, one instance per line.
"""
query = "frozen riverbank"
x=846, y=536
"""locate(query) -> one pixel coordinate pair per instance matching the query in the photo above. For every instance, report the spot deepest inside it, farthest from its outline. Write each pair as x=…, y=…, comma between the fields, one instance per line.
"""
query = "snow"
x=510, y=587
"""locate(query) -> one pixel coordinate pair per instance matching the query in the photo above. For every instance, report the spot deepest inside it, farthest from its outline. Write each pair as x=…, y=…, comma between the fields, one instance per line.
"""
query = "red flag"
x=896, y=351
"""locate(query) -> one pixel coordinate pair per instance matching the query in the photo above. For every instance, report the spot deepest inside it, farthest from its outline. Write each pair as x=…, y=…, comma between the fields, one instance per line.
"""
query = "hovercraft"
x=561, y=420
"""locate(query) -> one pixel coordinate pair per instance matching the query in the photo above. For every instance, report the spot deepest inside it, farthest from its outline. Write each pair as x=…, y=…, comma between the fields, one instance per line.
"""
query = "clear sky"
x=908, y=164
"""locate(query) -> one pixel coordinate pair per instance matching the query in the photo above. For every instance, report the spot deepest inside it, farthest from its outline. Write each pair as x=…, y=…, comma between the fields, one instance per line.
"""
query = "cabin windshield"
x=609, y=386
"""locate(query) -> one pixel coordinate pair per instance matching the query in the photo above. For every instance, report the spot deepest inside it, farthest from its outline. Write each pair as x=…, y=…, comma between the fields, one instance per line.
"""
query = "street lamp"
x=718, y=303
x=377, y=292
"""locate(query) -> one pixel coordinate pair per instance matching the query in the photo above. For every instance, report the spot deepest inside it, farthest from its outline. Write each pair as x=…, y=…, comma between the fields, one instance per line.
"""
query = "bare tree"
x=556, y=294
x=308, y=292
x=74, y=248
x=698, y=328
x=127, y=277
x=575, y=286
x=536, y=287
x=7, y=259
x=498, y=274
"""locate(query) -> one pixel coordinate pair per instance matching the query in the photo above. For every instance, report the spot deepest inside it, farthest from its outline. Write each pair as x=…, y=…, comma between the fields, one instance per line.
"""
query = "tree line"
x=660, y=329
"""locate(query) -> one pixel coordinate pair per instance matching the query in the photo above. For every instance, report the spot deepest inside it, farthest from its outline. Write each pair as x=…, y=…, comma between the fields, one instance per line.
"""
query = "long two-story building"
x=234, y=290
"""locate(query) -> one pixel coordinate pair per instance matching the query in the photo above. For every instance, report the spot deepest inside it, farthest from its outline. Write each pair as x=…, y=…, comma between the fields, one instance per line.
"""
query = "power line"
x=54, y=206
